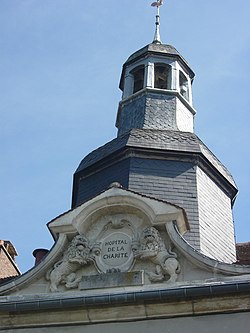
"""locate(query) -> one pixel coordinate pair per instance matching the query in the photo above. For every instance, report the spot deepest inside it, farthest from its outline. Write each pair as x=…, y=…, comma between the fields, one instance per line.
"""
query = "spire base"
x=157, y=37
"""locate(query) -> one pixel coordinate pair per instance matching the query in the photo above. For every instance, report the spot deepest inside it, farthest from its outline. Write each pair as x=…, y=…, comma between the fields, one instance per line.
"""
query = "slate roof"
x=172, y=141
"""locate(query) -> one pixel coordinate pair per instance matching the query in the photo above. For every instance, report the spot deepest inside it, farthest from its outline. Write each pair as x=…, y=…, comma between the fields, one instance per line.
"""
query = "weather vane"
x=157, y=38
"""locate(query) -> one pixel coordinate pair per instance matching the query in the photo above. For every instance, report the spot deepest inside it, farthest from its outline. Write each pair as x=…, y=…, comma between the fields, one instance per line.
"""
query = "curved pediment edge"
x=201, y=260
x=38, y=271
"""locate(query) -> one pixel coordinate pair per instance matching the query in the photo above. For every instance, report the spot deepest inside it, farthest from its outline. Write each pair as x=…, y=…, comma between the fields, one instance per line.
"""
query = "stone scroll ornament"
x=151, y=247
x=145, y=246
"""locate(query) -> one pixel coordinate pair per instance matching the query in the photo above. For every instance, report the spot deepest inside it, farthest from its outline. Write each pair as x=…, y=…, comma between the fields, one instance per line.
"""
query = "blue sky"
x=60, y=65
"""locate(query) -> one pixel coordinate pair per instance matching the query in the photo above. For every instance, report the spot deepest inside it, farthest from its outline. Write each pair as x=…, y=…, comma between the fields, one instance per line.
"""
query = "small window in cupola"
x=184, y=88
x=162, y=73
x=138, y=75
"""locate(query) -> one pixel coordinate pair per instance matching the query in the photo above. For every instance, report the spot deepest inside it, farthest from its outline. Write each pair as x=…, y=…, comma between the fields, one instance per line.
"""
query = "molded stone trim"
x=201, y=260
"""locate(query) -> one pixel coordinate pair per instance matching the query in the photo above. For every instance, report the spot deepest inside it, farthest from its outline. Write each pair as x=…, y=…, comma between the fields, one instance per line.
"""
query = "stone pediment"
x=120, y=239
x=118, y=201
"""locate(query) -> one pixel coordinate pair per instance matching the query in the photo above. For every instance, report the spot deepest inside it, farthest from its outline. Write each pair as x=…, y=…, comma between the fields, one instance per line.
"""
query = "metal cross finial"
x=157, y=38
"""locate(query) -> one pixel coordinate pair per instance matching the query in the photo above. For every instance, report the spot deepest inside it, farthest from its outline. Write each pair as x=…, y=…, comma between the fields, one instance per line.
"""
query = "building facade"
x=149, y=241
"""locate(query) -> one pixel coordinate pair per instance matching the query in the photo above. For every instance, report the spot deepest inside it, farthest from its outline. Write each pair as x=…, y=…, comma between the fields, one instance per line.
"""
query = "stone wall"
x=223, y=323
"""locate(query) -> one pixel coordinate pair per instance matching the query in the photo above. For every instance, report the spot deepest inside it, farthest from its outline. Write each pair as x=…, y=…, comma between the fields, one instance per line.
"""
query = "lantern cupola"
x=156, y=84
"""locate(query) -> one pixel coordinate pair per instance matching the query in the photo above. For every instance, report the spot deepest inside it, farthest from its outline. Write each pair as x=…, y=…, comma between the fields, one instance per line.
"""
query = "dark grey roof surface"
x=156, y=139
x=167, y=50
x=162, y=48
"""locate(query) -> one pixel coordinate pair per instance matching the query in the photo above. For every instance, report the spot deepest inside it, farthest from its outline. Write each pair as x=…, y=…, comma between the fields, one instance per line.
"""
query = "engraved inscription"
x=116, y=249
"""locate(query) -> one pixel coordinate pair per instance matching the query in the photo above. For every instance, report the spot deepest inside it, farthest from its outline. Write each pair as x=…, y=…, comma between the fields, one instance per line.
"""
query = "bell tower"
x=157, y=154
x=156, y=83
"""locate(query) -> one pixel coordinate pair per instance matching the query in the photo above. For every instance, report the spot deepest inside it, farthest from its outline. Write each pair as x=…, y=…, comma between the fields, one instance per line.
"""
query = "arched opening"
x=162, y=73
x=184, y=89
x=138, y=74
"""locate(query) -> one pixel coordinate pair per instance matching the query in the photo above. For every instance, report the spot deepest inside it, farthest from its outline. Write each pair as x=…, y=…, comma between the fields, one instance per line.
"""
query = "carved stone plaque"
x=121, y=279
x=116, y=252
